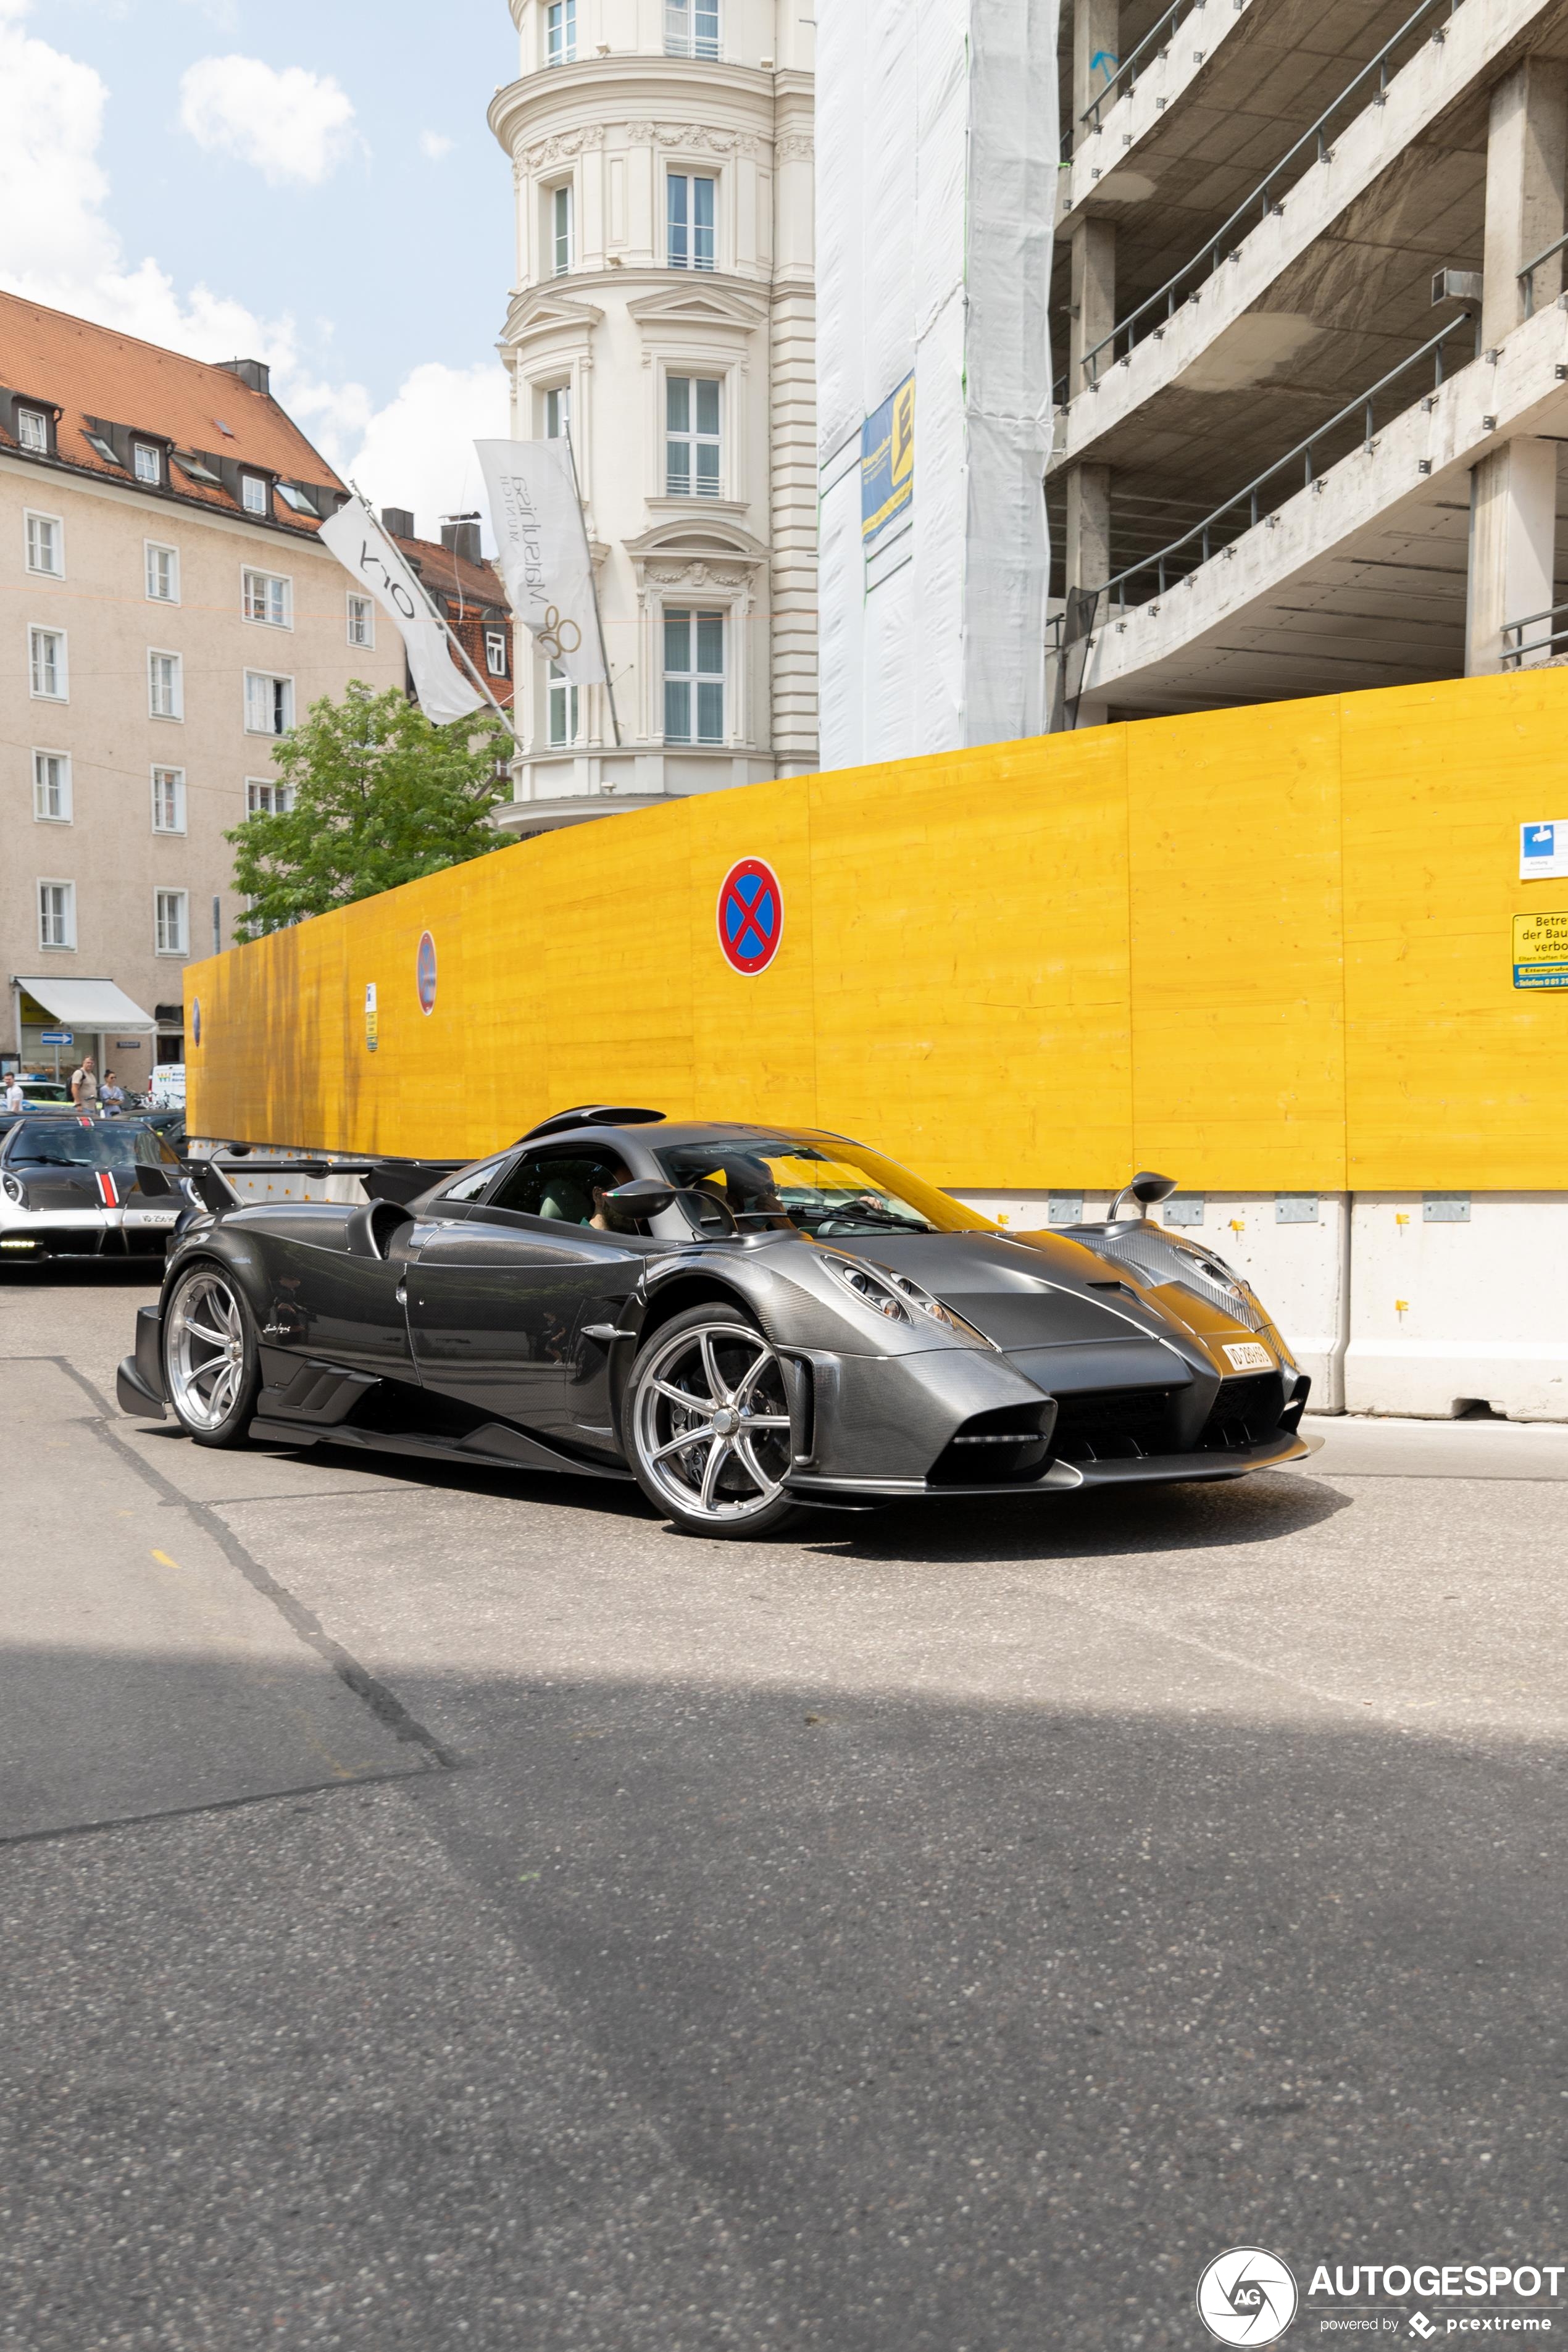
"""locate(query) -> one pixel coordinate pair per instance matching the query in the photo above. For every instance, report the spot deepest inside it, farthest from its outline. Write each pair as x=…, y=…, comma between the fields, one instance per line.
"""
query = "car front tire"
x=212, y=1368
x=706, y=1425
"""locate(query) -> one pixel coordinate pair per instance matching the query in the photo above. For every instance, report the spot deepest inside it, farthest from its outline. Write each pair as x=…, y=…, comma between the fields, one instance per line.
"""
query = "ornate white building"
x=662, y=161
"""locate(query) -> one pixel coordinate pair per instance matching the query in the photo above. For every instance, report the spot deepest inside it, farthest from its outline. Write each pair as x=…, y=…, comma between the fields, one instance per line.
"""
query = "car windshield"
x=67, y=1143
x=816, y=1182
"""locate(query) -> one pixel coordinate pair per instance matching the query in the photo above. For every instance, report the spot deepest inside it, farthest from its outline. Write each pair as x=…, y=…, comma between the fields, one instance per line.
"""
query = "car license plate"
x=1249, y=1356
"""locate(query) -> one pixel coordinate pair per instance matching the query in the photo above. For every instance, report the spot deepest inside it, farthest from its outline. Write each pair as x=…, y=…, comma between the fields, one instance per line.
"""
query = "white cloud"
x=417, y=451
x=57, y=247
x=293, y=125
x=432, y=145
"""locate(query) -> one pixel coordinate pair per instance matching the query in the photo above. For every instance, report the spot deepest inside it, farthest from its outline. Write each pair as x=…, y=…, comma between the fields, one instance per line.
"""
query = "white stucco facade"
x=663, y=311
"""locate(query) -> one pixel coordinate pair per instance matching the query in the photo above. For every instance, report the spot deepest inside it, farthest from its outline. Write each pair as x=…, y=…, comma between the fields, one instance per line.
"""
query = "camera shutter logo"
x=1246, y=2296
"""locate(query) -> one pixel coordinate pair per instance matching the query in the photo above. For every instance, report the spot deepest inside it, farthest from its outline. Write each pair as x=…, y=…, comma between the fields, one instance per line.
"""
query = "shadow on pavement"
x=955, y=2025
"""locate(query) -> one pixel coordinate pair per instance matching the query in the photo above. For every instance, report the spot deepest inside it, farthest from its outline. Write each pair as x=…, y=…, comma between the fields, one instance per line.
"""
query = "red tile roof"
x=88, y=371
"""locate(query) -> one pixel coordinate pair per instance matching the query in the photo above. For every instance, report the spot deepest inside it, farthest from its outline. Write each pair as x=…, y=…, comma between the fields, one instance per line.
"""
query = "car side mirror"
x=1146, y=1188
x=644, y=1196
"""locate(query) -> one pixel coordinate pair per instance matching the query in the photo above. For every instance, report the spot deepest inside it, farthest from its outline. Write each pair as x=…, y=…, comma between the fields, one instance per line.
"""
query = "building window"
x=693, y=676
x=560, y=229
x=253, y=494
x=52, y=787
x=57, y=914
x=166, y=686
x=168, y=800
x=692, y=28
x=691, y=215
x=561, y=32
x=33, y=430
x=558, y=413
x=268, y=598
x=362, y=622
x=563, y=707
x=692, y=436
x=263, y=798
x=47, y=676
x=168, y=925
x=494, y=652
x=268, y=704
x=162, y=573
x=46, y=545
x=147, y=463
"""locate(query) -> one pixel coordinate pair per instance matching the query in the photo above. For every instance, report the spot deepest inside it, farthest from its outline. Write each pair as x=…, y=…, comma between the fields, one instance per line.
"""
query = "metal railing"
x=1201, y=537
x=1262, y=199
x=1513, y=656
x=1126, y=74
x=1527, y=275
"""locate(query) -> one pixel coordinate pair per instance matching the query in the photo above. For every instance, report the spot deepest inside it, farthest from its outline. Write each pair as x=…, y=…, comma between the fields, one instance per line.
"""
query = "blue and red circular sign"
x=195, y=1020
x=751, y=916
x=425, y=973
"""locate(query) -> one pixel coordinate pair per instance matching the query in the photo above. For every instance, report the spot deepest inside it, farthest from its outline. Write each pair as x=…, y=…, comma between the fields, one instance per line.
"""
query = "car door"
x=498, y=1302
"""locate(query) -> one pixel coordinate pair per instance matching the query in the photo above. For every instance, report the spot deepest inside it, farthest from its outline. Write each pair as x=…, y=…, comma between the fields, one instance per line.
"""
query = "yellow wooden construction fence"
x=1266, y=948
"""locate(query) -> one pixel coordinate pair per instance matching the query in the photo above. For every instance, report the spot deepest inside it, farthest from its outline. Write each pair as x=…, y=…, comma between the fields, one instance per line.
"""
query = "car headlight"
x=12, y=1190
x=887, y=1293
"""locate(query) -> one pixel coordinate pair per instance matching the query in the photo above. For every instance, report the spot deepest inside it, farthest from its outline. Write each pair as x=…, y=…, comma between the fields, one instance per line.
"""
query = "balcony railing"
x=1213, y=534
x=1514, y=655
x=1150, y=49
x=1263, y=200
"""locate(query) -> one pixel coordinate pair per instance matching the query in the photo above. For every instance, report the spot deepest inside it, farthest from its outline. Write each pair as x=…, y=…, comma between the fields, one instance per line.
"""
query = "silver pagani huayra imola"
x=748, y=1320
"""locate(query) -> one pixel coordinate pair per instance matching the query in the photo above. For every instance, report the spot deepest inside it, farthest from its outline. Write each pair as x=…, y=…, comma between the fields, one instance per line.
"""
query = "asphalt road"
x=455, y=1911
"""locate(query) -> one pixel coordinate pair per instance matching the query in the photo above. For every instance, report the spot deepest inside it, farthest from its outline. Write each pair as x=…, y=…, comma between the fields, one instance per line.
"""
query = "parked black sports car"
x=745, y=1319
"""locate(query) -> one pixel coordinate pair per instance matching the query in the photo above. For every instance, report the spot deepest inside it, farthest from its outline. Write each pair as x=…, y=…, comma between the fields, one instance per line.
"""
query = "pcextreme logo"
x=1246, y=2296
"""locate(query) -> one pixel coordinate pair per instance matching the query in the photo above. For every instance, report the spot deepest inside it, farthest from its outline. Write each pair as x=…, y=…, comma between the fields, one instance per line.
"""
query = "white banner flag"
x=362, y=547
x=537, y=517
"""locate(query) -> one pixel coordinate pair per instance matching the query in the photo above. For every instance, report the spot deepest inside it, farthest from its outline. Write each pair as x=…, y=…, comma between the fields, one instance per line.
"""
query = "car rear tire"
x=211, y=1366
x=706, y=1424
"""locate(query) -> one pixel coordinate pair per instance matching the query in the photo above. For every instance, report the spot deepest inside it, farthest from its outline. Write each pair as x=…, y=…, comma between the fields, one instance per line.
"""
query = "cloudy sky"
x=308, y=181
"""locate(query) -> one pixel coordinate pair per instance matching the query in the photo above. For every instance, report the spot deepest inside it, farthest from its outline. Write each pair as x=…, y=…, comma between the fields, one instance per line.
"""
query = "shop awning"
x=87, y=1005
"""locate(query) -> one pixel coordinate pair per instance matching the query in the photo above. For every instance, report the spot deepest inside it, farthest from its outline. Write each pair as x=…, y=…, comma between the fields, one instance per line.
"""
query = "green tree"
x=380, y=797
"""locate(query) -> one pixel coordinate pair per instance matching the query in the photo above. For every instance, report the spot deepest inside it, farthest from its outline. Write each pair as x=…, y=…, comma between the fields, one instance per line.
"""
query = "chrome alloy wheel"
x=711, y=1423
x=204, y=1349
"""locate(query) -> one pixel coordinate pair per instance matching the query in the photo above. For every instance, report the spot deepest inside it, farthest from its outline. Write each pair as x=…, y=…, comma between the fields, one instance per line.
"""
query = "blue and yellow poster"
x=888, y=463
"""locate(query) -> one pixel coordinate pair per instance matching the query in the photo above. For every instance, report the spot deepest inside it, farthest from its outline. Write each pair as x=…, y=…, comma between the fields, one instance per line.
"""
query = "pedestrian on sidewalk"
x=15, y=1099
x=84, y=1086
x=113, y=1095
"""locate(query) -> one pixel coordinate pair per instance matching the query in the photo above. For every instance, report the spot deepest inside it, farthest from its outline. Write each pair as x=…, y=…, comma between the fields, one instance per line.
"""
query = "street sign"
x=1540, y=951
x=57, y=1037
x=751, y=916
x=1543, y=851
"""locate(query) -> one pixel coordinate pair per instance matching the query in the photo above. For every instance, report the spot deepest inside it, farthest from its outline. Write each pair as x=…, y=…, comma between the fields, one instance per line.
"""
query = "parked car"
x=745, y=1319
x=72, y=1187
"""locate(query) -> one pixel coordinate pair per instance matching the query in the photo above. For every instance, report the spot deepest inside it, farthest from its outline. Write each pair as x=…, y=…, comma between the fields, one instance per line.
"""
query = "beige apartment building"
x=165, y=614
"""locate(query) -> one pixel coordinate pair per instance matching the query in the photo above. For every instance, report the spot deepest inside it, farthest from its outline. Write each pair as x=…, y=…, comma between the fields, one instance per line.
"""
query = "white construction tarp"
x=937, y=147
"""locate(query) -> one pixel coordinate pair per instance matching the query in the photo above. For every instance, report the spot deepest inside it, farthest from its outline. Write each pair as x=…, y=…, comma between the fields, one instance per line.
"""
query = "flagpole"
x=594, y=585
x=454, y=641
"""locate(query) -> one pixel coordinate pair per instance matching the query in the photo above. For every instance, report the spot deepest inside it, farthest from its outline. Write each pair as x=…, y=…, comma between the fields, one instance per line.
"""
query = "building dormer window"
x=253, y=495
x=147, y=463
x=105, y=449
x=33, y=430
x=690, y=212
x=561, y=32
x=494, y=652
x=692, y=28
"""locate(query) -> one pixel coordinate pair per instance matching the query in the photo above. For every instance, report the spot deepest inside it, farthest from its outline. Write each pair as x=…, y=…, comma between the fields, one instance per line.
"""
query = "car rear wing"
x=399, y=1180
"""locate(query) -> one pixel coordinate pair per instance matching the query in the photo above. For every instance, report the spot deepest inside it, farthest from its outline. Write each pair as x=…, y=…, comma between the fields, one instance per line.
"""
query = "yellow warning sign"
x=1540, y=951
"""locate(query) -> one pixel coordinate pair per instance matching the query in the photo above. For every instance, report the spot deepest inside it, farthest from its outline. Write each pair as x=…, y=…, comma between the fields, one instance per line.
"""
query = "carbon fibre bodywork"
x=461, y=1328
